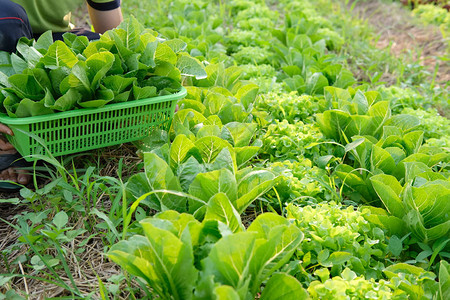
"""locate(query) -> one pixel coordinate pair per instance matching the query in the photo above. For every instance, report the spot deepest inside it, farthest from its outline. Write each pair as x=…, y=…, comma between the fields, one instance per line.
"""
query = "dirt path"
x=396, y=26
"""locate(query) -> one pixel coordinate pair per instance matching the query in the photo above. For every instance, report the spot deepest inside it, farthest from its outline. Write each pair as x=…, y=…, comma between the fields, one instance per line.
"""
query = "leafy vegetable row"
x=221, y=128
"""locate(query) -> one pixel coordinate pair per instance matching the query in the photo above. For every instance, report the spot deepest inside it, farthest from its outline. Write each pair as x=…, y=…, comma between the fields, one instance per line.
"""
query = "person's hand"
x=17, y=175
x=4, y=144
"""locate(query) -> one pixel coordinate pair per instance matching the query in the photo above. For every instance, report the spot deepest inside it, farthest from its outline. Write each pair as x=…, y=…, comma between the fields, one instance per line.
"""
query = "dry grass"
x=84, y=267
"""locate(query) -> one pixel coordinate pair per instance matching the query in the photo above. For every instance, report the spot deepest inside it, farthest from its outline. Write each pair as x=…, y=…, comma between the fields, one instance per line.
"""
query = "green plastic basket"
x=91, y=128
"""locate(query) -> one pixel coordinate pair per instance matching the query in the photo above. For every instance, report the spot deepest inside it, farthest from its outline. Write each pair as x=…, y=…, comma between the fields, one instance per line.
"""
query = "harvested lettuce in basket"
x=127, y=63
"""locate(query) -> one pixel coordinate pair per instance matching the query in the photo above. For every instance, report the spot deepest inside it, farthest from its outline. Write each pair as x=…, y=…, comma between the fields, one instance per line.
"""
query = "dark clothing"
x=104, y=6
x=14, y=24
x=78, y=31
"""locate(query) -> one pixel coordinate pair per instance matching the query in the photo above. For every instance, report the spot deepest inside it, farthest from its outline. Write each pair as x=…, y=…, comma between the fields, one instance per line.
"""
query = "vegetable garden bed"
x=282, y=175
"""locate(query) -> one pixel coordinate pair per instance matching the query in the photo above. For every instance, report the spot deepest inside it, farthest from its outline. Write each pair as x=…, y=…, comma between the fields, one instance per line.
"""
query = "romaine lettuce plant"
x=375, y=141
x=300, y=52
x=207, y=260
x=421, y=205
x=393, y=154
x=350, y=115
x=219, y=102
x=189, y=184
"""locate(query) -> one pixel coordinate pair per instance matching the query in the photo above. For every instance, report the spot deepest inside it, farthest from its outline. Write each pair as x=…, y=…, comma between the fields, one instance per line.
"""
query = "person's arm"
x=105, y=15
